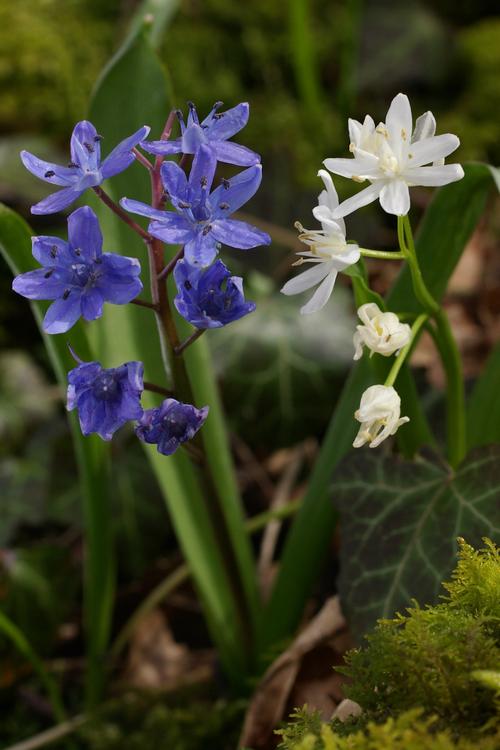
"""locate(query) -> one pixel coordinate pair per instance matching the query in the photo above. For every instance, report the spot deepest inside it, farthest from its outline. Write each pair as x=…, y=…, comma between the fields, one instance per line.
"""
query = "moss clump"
x=431, y=676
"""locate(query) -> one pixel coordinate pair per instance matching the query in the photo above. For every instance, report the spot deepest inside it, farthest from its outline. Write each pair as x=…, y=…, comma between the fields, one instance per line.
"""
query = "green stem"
x=12, y=632
x=447, y=347
x=382, y=254
x=398, y=362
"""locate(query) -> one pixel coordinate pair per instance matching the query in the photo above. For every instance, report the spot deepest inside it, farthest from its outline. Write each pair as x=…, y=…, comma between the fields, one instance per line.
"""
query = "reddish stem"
x=187, y=342
x=142, y=159
x=118, y=210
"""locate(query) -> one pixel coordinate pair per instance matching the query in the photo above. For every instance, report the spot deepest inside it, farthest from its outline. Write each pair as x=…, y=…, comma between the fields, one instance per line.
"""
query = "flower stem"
x=171, y=265
x=142, y=159
x=382, y=254
x=157, y=389
x=143, y=303
x=118, y=210
x=190, y=340
x=398, y=363
x=446, y=344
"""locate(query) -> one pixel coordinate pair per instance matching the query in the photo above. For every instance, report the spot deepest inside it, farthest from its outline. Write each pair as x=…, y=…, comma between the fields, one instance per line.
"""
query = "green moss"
x=430, y=676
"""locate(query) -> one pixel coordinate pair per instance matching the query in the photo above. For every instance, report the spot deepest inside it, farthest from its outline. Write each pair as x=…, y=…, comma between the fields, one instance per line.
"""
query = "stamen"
x=89, y=147
x=203, y=181
x=48, y=274
x=66, y=294
x=49, y=173
x=98, y=138
x=206, y=230
x=183, y=204
x=224, y=206
x=188, y=285
x=53, y=251
x=72, y=165
x=225, y=183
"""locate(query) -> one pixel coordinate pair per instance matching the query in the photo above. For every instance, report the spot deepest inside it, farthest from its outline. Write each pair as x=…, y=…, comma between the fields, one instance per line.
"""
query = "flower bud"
x=378, y=413
x=381, y=332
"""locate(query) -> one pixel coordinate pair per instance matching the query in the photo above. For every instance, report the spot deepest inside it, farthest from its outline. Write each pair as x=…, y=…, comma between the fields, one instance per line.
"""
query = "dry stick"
x=187, y=342
x=50, y=735
x=119, y=211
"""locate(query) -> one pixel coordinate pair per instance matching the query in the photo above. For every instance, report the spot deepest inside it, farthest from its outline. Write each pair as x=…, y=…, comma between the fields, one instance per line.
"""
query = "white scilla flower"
x=393, y=156
x=378, y=413
x=328, y=251
x=381, y=332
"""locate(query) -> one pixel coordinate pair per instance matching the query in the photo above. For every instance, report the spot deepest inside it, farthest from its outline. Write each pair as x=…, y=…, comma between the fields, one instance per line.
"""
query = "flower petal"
x=62, y=314
x=143, y=209
x=201, y=250
x=226, y=124
x=425, y=127
x=51, y=251
x=162, y=148
x=239, y=234
x=85, y=146
x=399, y=123
x=122, y=156
x=174, y=180
x=57, y=201
x=359, y=167
x=395, y=197
x=203, y=169
x=84, y=233
x=63, y=176
x=233, y=193
x=233, y=153
x=172, y=229
x=321, y=295
x=37, y=285
x=363, y=198
x=434, y=176
x=92, y=303
x=429, y=149
x=306, y=279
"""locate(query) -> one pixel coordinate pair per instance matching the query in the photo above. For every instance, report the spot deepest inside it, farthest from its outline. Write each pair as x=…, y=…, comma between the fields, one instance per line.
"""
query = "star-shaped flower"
x=393, y=157
x=213, y=132
x=329, y=251
x=201, y=221
x=85, y=168
x=170, y=424
x=209, y=298
x=77, y=274
x=105, y=399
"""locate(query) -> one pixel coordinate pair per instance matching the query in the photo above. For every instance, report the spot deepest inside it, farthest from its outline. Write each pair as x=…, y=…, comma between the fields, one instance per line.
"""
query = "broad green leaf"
x=399, y=523
x=446, y=228
x=15, y=245
x=132, y=92
x=483, y=407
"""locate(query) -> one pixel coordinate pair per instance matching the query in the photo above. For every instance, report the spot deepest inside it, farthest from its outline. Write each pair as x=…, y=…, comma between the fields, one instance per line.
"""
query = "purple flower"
x=170, y=424
x=105, y=399
x=201, y=221
x=214, y=132
x=85, y=168
x=77, y=274
x=209, y=298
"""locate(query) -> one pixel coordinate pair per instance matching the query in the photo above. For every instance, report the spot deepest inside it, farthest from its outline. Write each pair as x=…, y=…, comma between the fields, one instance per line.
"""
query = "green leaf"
x=154, y=16
x=15, y=246
x=400, y=522
x=483, y=407
x=132, y=92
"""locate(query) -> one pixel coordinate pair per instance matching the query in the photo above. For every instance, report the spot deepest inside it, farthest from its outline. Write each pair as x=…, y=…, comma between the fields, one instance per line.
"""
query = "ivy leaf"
x=399, y=523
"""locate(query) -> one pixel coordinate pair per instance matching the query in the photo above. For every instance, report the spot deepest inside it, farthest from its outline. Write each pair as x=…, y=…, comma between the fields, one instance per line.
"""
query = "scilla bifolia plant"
x=392, y=156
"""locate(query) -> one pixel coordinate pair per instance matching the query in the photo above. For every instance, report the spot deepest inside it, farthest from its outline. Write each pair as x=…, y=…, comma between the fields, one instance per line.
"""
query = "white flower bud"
x=378, y=413
x=381, y=332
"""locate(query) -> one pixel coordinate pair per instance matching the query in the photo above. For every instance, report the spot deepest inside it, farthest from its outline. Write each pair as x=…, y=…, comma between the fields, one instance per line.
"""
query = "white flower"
x=378, y=413
x=381, y=332
x=393, y=159
x=329, y=251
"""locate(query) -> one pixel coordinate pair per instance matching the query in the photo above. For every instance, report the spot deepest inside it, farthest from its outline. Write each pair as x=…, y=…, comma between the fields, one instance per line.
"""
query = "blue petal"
x=225, y=124
x=63, y=176
x=85, y=146
x=36, y=285
x=200, y=251
x=57, y=201
x=62, y=314
x=135, y=373
x=162, y=148
x=174, y=180
x=203, y=169
x=120, y=265
x=239, y=190
x=239, y=234
x=91, y=414
x=84, y=233
x=143, y=209
x=51, y=251
x=233, y=153
x=119, y=288
x=122, y=156
x=167, y=445
x=91, y=304
x=192, y=138
x=172, y=230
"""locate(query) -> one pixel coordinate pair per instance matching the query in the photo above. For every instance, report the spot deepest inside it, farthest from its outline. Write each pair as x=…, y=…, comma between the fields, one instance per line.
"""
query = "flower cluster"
x=77, y=277
x=392, y=156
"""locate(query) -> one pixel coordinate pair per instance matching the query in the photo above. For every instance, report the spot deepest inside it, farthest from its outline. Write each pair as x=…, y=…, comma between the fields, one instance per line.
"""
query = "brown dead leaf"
x=157, y=661
x=302, y=674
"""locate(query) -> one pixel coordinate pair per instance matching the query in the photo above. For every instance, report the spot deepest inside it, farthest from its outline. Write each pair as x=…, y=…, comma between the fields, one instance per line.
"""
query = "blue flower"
x=85, y=168
x=77, y=274
x=214, y=131
x=105, y=399
x=170, y=424
x=205, y=300
x=201, y=221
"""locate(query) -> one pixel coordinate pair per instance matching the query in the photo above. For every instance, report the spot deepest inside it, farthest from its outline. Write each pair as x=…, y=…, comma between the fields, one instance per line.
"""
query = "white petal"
x=425, y=127
x=348, y=258
x=324, y=214
x=395, y=198
x=434, y=176
x=399, y=118
x=358, y=345
x=331, y=193
x=430, y=149
x=321, y=295
x=307, y=279
x=368, y=311
x=355, y=129
x=352, y=167
x=363, y=198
